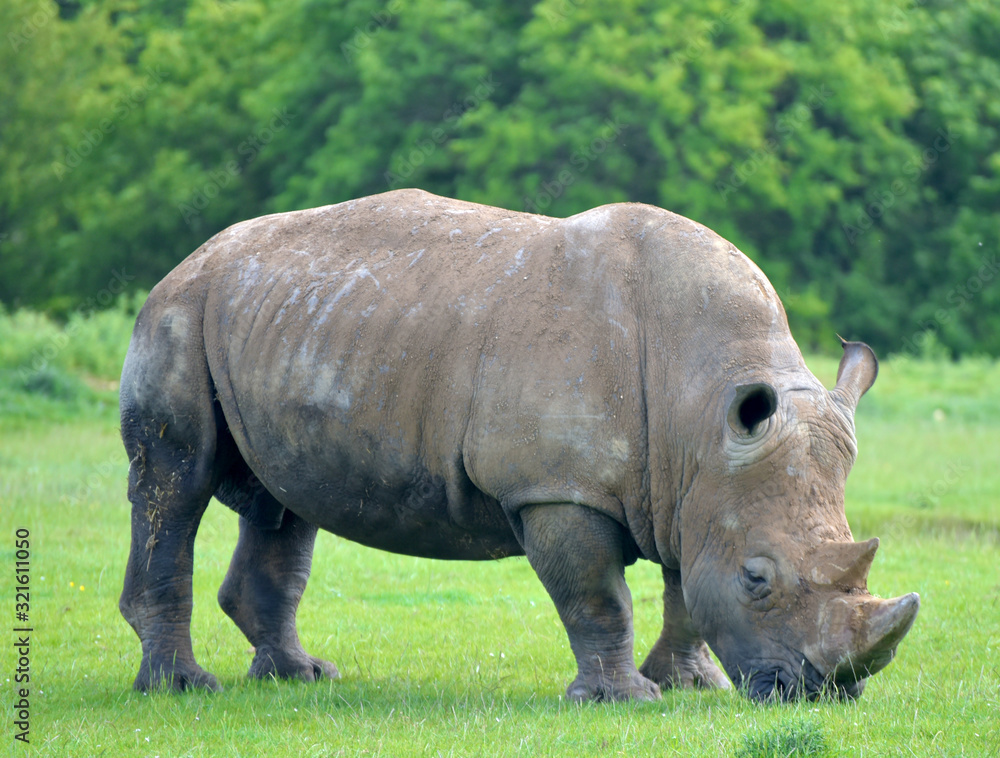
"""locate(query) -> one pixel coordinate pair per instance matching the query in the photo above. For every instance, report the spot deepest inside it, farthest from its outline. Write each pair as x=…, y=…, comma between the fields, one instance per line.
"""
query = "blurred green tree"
x=851, y=149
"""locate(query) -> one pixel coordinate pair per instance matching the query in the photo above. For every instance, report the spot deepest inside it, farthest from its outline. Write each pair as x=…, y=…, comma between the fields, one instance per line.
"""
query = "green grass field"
x=457, y=659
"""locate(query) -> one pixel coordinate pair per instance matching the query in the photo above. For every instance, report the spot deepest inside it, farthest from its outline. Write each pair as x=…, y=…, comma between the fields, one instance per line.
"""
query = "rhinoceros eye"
x=755, y=576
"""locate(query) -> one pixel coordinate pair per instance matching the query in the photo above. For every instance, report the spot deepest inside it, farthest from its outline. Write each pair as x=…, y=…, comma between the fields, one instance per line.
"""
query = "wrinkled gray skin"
x=450, y=380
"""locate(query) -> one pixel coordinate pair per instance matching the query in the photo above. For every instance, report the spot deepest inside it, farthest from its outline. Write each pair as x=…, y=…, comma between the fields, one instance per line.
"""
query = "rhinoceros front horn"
x=858, y=633
x=883, y=623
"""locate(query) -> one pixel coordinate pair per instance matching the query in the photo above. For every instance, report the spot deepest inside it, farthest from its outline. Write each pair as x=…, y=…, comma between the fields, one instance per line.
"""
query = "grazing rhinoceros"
x=450, y=380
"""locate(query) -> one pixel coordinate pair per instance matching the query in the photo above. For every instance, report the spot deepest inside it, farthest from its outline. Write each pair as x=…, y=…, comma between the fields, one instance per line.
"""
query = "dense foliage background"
x=850, y=147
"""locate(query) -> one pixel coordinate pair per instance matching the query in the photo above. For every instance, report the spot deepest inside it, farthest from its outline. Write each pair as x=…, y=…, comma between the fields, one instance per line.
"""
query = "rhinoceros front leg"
x=577, y=553
x=680, y=657
x=261, y=593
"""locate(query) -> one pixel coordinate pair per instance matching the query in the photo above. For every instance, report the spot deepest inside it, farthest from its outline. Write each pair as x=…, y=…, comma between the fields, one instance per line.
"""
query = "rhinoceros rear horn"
x=856, y=373
x=843, y=565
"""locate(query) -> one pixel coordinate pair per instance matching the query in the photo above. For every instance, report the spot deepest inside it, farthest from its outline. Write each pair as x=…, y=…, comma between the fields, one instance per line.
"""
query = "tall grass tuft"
x=789, y=739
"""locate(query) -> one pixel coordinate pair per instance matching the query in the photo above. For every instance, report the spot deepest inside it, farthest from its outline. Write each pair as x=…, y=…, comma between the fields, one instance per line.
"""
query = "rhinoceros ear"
x=857, y=372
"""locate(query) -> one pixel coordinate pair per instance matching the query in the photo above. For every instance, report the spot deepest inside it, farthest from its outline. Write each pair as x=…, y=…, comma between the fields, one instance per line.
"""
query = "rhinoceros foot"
x=280, y=664
x=632, y=687
x=690, y=667
x=173, y=674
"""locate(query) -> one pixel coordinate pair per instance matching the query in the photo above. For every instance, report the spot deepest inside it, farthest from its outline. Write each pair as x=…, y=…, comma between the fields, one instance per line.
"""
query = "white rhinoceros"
x=444, y=379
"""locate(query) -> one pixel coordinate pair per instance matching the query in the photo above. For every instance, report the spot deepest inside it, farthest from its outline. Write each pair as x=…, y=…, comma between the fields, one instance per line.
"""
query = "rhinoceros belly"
x=411, y=511
x=351, y=447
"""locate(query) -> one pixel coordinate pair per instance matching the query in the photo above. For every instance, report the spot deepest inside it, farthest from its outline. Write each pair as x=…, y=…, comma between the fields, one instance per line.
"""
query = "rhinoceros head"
x=772, y=577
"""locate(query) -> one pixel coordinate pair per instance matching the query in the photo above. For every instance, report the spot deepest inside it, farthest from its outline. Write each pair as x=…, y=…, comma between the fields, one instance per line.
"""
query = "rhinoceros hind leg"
x=261, y=593
x=156, y=600
x=578, y=554
x=680, y=657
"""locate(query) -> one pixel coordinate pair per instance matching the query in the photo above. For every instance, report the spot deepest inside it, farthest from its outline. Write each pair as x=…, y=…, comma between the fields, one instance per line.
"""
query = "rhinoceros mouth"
x=777, y=681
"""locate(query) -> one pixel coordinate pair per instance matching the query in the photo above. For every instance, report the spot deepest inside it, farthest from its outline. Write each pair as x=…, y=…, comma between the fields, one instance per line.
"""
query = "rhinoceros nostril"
x=785, y=682
x=767, y=686
x=761, y=688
